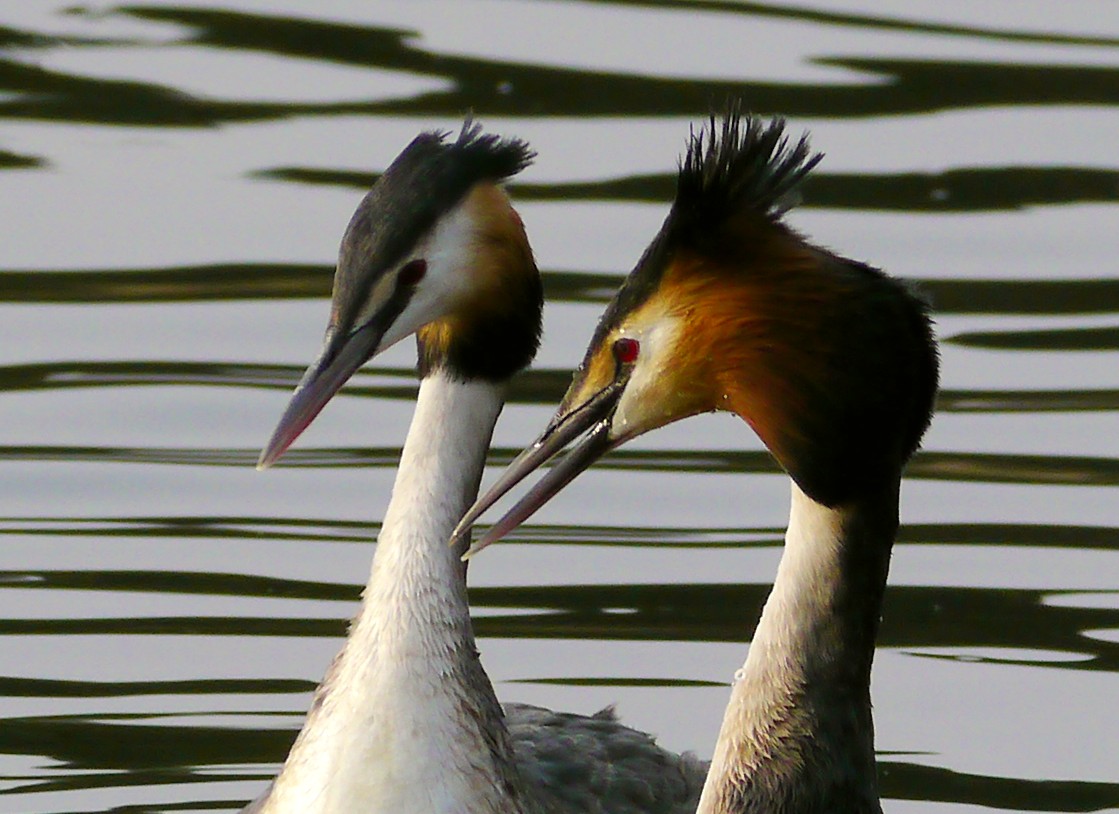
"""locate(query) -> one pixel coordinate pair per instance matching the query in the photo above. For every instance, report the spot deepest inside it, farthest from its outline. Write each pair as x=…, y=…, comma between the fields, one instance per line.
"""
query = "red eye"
x=412, y=272
x=626, y=350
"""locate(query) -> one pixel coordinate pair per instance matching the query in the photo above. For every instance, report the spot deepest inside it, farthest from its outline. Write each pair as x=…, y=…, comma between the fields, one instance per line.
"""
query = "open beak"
x=594, y=415
x=340, y=358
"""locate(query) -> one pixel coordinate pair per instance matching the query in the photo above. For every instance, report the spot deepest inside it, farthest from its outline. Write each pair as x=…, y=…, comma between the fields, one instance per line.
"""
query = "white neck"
x=797, y=735
x=406, y=720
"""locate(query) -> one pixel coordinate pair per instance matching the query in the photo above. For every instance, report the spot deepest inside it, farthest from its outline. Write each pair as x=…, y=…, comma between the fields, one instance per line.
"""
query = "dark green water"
x=175, y=179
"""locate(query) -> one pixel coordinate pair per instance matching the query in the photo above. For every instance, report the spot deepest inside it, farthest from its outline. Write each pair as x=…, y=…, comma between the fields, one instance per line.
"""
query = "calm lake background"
x=175, y=179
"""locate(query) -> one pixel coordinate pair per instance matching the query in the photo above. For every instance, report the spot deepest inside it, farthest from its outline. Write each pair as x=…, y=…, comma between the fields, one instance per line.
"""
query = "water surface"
x=175, y=179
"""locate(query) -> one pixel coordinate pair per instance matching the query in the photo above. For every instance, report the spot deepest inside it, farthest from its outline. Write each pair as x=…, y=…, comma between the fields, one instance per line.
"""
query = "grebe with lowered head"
x=834, y=365
x=406, y=720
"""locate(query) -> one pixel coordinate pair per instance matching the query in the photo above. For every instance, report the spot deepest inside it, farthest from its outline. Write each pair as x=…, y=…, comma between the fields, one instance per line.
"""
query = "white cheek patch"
x=448, y=250
x=657, y=344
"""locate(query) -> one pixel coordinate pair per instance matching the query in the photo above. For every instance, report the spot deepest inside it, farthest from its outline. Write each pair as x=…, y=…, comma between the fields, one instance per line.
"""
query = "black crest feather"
x=492, y=157
x=741, y=163
x=430, y=177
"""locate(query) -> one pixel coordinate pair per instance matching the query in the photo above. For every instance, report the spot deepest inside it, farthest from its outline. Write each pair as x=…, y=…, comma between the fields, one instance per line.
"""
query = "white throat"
x=797, y=731
x=798, y=606
x=403, y=721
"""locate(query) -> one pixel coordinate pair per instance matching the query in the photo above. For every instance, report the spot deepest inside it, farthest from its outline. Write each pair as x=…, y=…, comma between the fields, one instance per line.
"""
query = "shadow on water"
x=142, y=750
x=870, y=22
x=1070, y=339
x=915, y=616
x=110, y=749
x=962, y=190
x=510, y=88
x=14, y=161
x=537, y=386
x=247, y=281
x=948, y=466
x=1035, y=535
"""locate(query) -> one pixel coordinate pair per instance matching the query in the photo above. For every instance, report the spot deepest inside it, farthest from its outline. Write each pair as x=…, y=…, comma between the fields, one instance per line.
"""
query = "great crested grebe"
x=834, y=366
x=406, y=720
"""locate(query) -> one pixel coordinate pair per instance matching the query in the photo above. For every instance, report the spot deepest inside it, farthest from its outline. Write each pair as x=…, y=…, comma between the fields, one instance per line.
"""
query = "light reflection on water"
x=176, y=179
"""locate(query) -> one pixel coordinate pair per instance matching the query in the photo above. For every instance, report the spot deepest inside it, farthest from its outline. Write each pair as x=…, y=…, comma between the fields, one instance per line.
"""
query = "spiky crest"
x=740, y=163
x=486, y=155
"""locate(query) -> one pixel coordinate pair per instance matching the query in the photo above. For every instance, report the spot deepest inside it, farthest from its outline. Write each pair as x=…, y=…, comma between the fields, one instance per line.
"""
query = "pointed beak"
x=340, y=358
x=594, y=415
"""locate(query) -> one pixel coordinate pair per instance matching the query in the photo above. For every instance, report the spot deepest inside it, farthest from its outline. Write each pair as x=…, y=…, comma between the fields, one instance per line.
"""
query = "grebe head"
x=831, y=362
x=435, y=248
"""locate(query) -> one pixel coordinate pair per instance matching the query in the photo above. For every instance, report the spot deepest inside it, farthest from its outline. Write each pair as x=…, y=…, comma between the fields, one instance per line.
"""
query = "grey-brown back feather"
x=578, y=764
x=596, y=765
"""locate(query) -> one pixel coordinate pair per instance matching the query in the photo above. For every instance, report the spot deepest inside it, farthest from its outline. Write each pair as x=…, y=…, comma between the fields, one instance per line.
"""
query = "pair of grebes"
x=830, y=361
